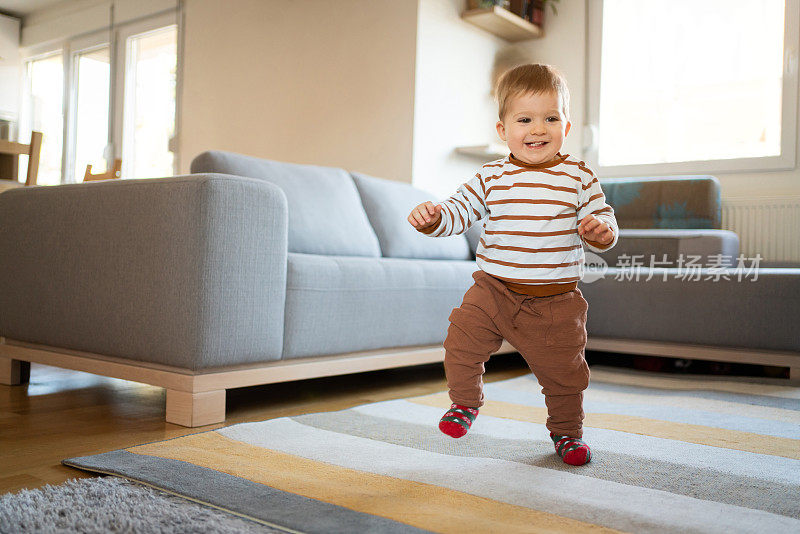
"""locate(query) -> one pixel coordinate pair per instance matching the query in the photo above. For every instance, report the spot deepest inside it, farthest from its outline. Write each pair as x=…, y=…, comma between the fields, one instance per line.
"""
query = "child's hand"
x=592, y=229
x=424, y=215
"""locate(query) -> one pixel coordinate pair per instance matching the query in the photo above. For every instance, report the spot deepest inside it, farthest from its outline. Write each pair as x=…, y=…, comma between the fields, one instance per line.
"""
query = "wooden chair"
x=113, y=173
x=9, y=158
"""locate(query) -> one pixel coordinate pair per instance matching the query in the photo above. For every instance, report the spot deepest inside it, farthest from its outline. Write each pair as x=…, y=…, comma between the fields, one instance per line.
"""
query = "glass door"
x=92, y=79
x=44, y=112
x=102, y=96
x=149, y=103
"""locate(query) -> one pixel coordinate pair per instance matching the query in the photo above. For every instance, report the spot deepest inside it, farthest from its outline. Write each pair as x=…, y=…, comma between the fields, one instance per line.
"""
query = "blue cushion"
x=665, y=202
x=388, y=204
x=325, y=211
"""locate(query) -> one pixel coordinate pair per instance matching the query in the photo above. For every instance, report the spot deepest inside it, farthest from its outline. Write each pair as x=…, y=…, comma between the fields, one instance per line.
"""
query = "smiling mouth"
x=536, y=144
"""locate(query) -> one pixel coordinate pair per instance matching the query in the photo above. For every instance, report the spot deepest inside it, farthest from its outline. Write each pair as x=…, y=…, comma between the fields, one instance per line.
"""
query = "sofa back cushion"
x=325, y=211
x=388, y=204
x=674, y=202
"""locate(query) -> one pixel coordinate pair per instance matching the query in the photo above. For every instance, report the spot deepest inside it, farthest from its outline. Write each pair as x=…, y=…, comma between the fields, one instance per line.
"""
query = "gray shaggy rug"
x=111, y=504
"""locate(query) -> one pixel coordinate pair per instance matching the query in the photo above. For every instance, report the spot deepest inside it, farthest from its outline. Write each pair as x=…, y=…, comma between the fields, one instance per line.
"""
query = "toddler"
x=540, y=207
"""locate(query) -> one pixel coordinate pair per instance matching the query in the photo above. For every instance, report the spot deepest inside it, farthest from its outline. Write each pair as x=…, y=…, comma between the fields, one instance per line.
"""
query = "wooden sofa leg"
x=14, y=372
x=195, y=409
x=794, y=373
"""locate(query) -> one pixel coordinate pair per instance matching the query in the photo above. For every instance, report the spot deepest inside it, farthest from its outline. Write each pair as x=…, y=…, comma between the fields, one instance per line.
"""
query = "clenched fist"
x=592, y=229
x=424, y=215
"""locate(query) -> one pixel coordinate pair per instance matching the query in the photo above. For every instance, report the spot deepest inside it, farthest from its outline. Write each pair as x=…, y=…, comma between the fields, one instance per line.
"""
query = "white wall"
x=453, y=106
x=319, y=82
x=421, y=89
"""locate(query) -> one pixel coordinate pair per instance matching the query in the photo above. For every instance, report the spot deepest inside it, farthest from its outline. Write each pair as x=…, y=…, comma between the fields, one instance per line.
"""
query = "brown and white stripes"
x=531, y=233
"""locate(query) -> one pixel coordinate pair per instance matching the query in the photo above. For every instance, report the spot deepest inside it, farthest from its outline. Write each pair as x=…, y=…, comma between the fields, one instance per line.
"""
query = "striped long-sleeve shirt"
x=530, y=236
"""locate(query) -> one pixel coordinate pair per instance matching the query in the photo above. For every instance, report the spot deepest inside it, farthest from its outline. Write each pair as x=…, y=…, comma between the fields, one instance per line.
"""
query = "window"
x=43, y=112
x=693, y=85
x=150, y=104
x=93, y=72
x=120, y=93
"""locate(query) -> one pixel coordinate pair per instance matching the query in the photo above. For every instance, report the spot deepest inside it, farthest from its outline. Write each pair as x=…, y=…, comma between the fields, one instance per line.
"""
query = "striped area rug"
x=669, y=454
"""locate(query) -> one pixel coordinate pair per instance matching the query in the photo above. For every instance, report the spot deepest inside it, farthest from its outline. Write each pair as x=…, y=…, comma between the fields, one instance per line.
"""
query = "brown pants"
x=549, y=332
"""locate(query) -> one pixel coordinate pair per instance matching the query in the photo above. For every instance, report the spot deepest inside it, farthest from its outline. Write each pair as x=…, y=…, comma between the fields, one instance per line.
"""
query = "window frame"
x=116, y=40
x=787, y=160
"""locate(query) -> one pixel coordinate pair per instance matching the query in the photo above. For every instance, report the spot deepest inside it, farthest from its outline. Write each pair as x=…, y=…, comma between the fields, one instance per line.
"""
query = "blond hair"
x=531, y=78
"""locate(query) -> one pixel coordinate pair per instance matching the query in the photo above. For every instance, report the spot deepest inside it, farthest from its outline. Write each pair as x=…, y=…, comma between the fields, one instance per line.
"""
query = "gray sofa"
x=251, y=271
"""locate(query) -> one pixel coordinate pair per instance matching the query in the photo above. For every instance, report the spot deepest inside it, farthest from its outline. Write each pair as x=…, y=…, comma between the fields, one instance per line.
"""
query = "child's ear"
x=569, y=125
x=501, y=130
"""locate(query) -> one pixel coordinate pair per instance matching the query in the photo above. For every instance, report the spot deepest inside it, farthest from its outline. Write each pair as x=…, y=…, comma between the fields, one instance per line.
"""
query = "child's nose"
x=537, y=127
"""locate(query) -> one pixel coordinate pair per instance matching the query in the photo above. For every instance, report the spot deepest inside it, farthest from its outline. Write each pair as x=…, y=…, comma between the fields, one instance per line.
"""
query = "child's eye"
x=552, y=119
x=524, y=119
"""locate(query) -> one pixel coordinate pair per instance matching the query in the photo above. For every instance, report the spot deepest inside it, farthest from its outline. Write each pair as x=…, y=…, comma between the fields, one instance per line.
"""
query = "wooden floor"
x=61, y=413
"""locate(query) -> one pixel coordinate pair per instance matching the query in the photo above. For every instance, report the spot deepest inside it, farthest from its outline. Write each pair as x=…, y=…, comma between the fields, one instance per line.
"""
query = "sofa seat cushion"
x=325, y=211
x=388, y=204
x=675, y=244
x=337, y=304
x=751, y=309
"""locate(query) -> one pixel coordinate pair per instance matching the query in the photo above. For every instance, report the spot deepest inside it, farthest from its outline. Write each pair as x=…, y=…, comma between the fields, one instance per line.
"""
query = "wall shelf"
x=502, y=23
x=489, y=151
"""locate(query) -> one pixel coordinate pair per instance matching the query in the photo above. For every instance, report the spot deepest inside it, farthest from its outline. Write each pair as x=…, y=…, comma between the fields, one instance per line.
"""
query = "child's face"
x=534, y=127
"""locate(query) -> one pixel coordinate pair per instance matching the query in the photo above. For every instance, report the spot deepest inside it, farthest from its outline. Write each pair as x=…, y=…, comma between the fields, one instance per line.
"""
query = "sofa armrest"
x=675, y=244
x=188, y=271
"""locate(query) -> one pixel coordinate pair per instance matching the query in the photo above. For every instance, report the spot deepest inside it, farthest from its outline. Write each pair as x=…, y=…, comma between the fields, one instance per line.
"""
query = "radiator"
x=766, y=226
